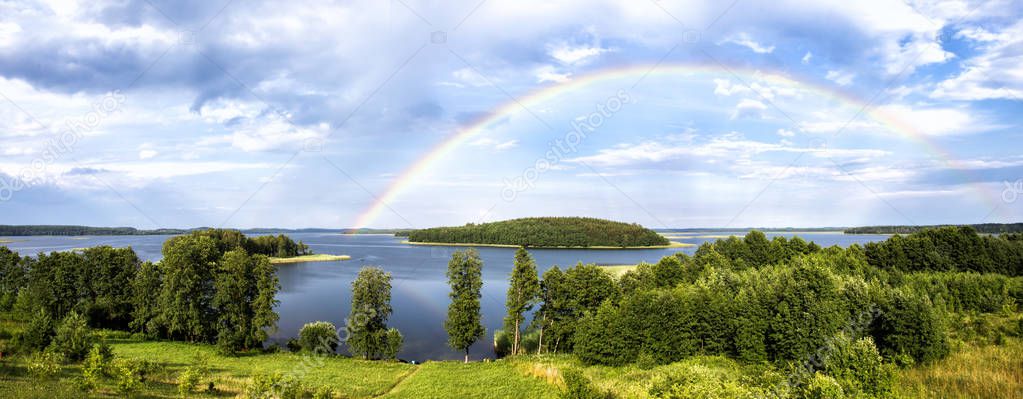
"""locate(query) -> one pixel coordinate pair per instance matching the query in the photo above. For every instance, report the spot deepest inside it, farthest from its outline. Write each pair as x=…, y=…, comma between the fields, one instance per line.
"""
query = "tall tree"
x=145, y=292
x=464, y=323
x=244, y=284
x=186, y=296
x=523, y=291
x=371, y=306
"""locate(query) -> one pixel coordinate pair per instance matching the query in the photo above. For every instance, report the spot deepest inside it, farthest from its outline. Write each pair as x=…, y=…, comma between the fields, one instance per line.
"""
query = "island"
x=545, y=232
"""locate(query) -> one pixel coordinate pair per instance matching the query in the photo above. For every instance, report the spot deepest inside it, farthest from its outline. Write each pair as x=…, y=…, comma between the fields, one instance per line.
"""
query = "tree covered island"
x=545, y=232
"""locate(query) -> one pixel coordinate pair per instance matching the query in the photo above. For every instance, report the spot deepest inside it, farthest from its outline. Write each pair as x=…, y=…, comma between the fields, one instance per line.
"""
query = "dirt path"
x=398, y=383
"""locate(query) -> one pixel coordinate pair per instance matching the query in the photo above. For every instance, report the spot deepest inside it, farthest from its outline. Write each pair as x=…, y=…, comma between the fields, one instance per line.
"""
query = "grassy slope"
x=974, y=372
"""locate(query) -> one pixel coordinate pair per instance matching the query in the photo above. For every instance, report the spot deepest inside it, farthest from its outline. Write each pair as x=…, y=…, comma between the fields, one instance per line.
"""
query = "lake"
x=322, y=291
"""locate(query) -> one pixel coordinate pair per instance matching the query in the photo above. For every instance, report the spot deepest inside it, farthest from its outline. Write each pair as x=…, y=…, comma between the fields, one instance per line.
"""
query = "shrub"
x=601, y=338
x=700, y=382
x=130, y=374
x=192, y=376
x=858, y=367
x=38, y=334
x=392, y=344
x=821, y=386
x=318, y=337
x=502, y=343
x=578, y=386
x=44, y=365
x=73, y=338
x=324, y=392
x=97, y=365
x=909, y=324
x=278, y=385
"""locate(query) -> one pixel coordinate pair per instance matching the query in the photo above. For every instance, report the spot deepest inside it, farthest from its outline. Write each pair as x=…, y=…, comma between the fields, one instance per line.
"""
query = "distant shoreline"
x=310, y=258
x=673, y=244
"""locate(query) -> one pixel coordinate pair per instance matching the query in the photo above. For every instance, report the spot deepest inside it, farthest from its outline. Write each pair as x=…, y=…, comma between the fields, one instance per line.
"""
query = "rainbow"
x=638, y=72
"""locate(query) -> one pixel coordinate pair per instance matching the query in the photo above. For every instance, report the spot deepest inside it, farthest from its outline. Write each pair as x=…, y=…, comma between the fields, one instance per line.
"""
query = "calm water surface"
x=322, y=291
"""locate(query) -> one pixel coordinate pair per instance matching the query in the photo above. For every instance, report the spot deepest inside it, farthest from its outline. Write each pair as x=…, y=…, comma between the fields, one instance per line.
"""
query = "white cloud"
x=548, y=73
x=807, y=57
x=995, y=73
x=494, y=144
x=841, y=78
x=934, y=121
x=575, y=55
x=147, y=154
x=785, y=133
x=743, y=39
x=749, y=109
x=725, y=87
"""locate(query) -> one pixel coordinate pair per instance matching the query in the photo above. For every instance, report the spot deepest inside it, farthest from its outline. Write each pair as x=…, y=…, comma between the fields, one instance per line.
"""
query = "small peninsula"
x=545, y=232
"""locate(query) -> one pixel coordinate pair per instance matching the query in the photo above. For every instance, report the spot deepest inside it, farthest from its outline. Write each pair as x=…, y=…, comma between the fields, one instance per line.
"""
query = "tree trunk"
x=467, y=355
x=515, y=346
x=543, y=323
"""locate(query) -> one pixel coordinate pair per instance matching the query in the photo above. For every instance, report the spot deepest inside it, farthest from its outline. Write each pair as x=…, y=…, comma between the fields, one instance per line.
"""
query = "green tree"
x=371, y=306
x=554, y=316
x=12, y=277
x=464, y=323
x=235, y=297
x=186, y=295
x=522, y=295
x=318, y=337
x=145, y=291
x=73, y=337
x=39, y=332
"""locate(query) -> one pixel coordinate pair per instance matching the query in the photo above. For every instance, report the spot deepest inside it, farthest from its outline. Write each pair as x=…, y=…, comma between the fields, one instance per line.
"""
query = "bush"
x=192, y=376
x=578, y=386
x=700, y=382
x=909, y=324
x=859, y=368
x=130, y=374
x=324, y=392
x=73, y=338
x=38, y=334
x=44, y=365
x=601, y=338
x=97, y=366
x=822, y=386
x=318, y=337
x=392, y=344
x=278, y=385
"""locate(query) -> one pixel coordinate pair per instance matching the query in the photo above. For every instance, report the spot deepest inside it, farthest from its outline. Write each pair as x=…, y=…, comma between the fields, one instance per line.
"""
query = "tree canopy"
x=545, y=232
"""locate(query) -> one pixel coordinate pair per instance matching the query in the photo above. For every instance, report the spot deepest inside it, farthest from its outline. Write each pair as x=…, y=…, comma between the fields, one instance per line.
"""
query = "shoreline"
x=309, y=259
x=672, y=244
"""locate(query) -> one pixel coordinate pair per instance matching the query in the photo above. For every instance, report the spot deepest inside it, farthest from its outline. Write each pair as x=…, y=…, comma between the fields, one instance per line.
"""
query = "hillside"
x=544, y=232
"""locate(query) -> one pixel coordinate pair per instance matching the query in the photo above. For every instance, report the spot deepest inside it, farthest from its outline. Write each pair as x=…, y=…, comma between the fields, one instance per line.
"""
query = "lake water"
x=322, y=291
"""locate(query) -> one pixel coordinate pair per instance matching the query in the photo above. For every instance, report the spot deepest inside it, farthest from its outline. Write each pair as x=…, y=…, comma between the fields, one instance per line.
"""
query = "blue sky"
x=245, y=114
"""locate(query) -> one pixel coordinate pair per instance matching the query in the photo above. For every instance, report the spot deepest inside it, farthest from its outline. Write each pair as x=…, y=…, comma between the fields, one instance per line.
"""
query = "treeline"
x=209, y=288
x=544, y=232
x=949, y=249
x=985, y=228
x=829, y=315
x=8, y=230
x=279, y=246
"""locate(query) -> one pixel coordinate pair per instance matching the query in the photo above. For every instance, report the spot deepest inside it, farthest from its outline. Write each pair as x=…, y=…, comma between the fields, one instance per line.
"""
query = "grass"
x=671, y=244
x=501, y=379
x=310, y=258
x=991, y=371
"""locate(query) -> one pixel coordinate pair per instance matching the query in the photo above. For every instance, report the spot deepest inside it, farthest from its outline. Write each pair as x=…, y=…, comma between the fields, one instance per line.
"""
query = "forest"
x=41, y=230
x=985, y=228
x=544, y=232
x=741, y=317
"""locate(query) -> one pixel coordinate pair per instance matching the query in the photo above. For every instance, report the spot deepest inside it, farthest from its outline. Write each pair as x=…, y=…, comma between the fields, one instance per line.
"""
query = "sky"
x=411, y=114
